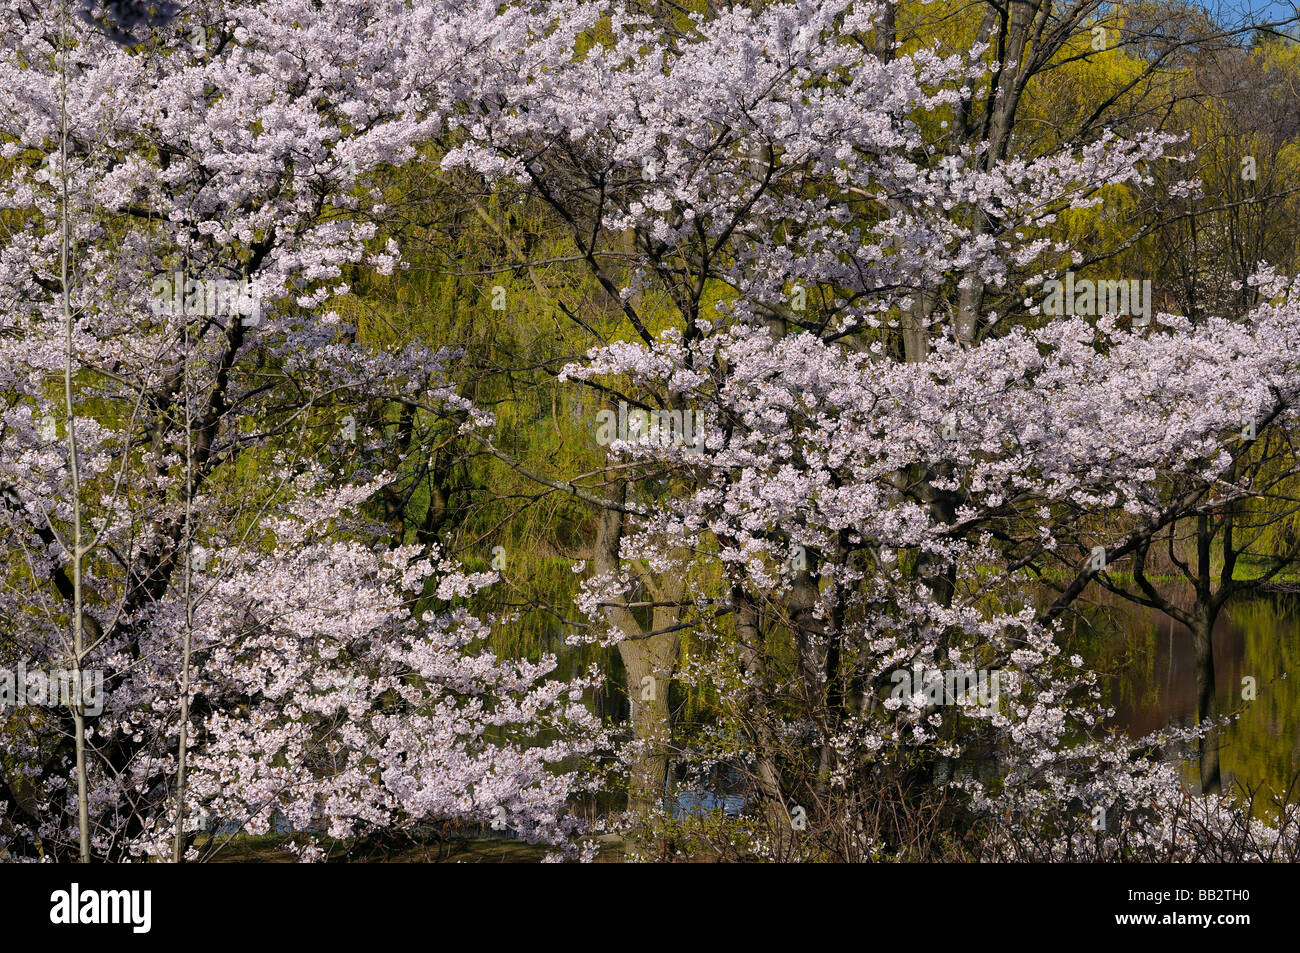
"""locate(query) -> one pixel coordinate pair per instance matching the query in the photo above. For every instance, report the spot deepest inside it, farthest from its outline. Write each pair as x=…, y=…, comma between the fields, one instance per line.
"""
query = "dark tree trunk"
x=1207, y=705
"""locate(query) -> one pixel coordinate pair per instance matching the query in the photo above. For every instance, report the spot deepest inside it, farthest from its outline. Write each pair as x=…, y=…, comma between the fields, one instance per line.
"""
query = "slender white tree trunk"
x=178, y=844
x=79, y=548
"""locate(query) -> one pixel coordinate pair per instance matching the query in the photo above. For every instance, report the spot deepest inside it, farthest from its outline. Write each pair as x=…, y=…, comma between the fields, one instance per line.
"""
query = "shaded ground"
x=270, y=849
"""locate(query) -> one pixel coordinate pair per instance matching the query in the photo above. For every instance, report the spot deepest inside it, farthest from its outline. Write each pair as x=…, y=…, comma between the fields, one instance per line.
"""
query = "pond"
x=1149, y=671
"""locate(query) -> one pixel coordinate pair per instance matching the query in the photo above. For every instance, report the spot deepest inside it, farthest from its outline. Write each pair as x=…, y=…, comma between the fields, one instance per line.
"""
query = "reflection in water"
x=1151, y=680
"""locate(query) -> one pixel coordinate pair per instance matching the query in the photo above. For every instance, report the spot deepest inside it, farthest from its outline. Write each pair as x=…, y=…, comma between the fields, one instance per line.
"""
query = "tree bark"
x=1207, y=705
x=649, y=660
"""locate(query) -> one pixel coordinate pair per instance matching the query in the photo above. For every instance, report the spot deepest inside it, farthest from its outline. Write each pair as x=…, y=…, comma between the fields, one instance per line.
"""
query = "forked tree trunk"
x=650, y=661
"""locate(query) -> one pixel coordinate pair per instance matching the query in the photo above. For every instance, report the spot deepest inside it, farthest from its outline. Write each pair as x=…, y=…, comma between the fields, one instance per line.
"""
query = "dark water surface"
x=1150, y=671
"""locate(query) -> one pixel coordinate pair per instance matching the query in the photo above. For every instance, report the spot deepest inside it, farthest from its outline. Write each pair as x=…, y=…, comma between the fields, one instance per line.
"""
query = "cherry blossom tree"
x=855, y=513
x=186, y=195
x=798, y=253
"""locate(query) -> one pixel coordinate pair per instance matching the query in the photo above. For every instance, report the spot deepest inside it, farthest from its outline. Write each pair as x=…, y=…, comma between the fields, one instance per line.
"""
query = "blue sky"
x=1262, y=9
